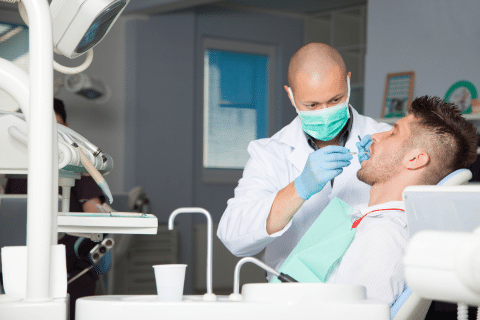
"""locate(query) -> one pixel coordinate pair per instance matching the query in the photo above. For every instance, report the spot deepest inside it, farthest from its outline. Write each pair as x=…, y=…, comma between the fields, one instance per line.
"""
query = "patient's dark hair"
x=449, y=139
x=59, y=109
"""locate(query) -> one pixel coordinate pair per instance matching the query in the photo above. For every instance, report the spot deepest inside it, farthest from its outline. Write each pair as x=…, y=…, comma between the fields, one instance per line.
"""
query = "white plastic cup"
x=170, y=279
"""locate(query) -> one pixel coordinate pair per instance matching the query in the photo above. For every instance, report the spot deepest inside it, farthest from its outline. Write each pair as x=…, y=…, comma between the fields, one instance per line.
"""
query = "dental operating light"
x=87, y=87
x=78, y=25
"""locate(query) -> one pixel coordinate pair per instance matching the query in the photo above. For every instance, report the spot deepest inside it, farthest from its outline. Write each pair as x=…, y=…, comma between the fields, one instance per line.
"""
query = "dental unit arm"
x=75, y=153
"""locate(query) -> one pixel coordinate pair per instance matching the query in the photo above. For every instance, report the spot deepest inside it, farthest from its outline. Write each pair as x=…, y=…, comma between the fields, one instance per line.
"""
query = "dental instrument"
x=93, y=148
x=209, y=296
x=363, y=151
x=353, y=152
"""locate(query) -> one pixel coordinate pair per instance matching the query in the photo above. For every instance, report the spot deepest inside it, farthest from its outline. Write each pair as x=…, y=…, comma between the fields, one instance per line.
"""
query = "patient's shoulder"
x=385, y=229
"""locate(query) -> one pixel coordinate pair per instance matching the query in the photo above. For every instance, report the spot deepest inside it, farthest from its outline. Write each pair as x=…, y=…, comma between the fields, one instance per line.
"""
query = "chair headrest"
x=457, y=177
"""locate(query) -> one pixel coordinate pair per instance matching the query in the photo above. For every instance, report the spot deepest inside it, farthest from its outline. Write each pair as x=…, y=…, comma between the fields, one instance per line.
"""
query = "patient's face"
x=386, y=153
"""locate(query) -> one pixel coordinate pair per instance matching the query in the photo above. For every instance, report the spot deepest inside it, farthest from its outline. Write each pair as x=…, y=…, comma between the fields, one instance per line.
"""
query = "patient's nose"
x=375, y=137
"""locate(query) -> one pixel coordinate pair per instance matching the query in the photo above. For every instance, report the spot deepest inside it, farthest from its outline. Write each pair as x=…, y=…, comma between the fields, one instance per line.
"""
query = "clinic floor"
x=447, y=311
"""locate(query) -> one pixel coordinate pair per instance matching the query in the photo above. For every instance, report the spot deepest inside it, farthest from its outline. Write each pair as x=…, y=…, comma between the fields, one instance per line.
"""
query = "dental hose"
x=97, y=176
x=93, y=148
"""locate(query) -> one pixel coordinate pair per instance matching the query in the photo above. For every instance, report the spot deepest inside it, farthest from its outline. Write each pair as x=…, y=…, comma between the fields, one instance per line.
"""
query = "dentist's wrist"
x=301, y=190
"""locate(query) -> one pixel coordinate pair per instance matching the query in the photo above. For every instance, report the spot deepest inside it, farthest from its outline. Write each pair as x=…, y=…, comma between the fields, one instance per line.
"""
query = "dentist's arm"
x=322, y=166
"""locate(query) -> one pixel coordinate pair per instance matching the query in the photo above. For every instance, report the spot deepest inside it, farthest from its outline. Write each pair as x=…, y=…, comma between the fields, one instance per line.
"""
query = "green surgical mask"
x=325, y=124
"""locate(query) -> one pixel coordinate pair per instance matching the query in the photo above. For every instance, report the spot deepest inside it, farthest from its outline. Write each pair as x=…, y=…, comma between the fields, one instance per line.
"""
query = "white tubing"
x=41, y=166
x=15, y=81
x=209, y=293
x=77, y=136
x=67, y=151
x=68, y=70
x=18, y=135
x=67, y=154
x=236, y=276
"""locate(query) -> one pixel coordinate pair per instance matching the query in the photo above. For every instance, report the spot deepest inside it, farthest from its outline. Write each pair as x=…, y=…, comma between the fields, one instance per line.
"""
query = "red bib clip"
x=357, y=222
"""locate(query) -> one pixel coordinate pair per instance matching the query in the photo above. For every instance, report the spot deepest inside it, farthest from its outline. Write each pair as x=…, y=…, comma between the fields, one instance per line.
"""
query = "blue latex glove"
x=322, y=166
x=363, y=148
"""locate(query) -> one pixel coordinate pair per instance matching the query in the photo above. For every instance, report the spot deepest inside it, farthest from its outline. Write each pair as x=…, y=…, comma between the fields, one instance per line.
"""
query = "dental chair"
x=410, y=306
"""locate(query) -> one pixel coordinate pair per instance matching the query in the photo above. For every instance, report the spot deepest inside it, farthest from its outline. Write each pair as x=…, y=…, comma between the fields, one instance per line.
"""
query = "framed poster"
x=464, y=95
x=398, y=94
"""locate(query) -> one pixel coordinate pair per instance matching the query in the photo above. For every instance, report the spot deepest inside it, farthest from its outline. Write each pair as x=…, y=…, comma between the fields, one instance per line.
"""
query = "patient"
x=421, y=149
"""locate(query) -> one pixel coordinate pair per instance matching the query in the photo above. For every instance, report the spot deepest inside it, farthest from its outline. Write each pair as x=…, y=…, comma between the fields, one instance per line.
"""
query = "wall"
x=439, y=40
x=161, y=58
x=283, y=32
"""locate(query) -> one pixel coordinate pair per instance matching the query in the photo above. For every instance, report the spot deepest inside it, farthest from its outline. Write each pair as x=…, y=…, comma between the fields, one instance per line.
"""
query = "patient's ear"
x=416, y=159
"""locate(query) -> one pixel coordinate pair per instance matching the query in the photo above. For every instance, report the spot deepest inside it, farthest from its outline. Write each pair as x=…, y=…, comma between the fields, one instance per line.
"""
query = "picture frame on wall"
x=464, y=95
x=398, y=94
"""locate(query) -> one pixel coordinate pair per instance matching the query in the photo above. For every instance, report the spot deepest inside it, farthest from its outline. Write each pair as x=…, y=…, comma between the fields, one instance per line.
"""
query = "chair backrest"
x=410, y=306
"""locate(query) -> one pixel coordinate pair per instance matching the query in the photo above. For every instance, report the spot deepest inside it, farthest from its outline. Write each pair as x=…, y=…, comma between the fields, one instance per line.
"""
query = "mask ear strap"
x=348, y=90
x=291, y=96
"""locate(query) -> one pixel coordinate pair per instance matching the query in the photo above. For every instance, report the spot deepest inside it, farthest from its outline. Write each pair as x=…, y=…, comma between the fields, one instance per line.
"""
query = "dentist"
x=291, y=177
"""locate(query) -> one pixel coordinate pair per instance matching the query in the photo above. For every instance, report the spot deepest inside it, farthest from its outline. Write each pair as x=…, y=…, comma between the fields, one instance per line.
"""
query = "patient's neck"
x=387, y=191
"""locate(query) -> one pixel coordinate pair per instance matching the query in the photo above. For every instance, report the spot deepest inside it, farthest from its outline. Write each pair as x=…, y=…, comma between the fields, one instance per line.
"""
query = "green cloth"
x=323, y=245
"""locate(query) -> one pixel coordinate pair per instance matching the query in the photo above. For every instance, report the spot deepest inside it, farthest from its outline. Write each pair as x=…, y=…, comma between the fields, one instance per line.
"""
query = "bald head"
x=315, y=61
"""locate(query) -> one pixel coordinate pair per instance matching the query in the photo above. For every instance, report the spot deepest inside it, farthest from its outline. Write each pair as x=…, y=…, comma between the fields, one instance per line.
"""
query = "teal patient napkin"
x=323, y=245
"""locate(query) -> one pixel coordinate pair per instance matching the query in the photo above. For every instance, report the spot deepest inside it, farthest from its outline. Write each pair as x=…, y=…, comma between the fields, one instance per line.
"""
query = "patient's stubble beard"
x=381, y=168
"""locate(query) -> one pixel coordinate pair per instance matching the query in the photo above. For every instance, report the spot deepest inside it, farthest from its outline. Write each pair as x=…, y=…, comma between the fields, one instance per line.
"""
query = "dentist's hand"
x=363, y=148
x=322, y=166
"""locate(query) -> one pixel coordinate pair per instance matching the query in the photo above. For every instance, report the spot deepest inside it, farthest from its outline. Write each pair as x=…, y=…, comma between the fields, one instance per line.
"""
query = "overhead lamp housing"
x=78, y=25
x=87, y=87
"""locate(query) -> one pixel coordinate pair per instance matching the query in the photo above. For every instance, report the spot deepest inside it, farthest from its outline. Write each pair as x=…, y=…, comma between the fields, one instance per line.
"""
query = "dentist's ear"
x=289, y=96
x=416, y=159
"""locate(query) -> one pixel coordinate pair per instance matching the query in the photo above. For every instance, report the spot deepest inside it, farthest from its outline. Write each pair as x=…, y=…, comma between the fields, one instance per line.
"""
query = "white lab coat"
x=274, y=163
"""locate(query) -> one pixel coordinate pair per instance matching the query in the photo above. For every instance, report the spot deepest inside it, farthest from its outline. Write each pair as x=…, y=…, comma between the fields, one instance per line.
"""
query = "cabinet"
x=345, y=31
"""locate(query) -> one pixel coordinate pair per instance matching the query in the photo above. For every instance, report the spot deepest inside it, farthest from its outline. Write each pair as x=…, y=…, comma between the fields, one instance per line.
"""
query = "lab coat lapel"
x=295, y=137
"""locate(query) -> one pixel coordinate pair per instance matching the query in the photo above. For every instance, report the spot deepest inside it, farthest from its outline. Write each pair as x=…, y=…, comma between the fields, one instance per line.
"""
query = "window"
x=236, y=96
x=13, y=47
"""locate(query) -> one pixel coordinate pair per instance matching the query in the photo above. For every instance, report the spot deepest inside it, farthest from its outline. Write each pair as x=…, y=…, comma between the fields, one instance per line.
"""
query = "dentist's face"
x=311, y=93
x=386, y=153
